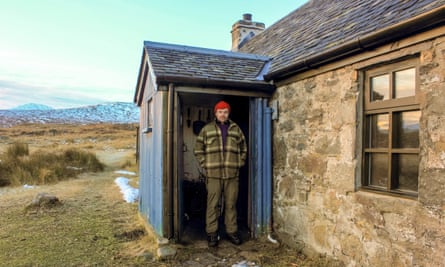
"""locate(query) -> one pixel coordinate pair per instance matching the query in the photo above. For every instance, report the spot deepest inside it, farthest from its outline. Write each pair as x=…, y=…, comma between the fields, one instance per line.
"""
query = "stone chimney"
x=243, y=30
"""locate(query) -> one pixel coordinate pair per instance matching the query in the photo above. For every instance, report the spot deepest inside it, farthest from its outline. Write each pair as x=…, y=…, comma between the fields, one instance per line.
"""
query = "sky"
x=71, y=53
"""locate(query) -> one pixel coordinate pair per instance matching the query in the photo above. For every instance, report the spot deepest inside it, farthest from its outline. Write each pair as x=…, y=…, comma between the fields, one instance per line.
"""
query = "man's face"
x=222, y=115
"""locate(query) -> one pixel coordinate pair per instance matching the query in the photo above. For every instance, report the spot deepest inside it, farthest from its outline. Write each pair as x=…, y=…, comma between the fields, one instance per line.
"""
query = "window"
x=149, y=114
x=149, y=117
x=391, y=128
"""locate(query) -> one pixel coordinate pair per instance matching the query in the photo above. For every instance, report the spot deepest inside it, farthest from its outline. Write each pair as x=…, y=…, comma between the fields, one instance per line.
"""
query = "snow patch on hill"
x=32, y=106
x=115, y=112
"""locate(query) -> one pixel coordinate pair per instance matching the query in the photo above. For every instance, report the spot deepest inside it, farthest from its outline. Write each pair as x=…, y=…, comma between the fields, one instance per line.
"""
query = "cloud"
x=14, y=93
x=59, y=83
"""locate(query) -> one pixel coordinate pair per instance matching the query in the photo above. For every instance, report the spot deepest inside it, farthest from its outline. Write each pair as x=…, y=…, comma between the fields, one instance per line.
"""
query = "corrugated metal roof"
x=205, y=64
x=321, y=25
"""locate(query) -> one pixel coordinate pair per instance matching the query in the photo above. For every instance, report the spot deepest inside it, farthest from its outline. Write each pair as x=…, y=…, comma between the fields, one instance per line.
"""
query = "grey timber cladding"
x=202, y=63
x=320, y=25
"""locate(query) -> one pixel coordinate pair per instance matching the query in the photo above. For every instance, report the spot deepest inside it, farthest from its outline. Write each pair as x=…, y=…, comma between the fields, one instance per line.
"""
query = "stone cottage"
x=357, y=95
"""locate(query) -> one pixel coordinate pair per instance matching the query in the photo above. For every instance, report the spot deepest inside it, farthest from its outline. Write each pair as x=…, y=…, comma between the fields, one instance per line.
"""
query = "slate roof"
x=318, y=32
x=324, y=25
x=172, y=63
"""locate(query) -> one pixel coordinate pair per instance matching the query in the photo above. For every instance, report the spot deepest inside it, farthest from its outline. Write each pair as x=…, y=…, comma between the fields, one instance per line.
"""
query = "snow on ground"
x=245, y=264
x=129, y=193
x=125, y=172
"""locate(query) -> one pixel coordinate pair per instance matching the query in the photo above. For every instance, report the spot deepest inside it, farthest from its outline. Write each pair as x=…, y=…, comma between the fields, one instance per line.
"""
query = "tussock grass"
x=18, y=166
x=17, y=150
x=47, y=153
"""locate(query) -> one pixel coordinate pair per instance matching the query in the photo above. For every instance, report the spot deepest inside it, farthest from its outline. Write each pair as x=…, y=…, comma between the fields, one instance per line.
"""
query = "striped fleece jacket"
x=209, y=152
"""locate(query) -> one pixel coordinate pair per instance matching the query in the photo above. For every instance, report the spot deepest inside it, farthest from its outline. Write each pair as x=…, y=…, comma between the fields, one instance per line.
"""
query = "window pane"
x=405, y=83
x=406, y=129
x=380, y=88
x=378, y=126
x=377, y=169
x=149, y=113
x=407, y=171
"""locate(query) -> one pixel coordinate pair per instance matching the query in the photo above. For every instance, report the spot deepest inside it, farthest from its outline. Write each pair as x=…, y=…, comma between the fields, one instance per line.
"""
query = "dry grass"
x=93, y=226
x=18, y=167
x=93, y=136
x=46, y=153
x=104, y=140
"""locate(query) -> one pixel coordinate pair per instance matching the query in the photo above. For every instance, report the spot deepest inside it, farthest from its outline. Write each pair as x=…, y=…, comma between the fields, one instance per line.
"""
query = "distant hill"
x=32, y=106
x=114, y=112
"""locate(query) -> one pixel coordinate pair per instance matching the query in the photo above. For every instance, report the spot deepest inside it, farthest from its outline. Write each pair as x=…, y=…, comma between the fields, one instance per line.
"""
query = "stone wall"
x=318, y=205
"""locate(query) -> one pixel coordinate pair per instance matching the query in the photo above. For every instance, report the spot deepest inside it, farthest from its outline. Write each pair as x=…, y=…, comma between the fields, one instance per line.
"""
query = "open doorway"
x=196, y=110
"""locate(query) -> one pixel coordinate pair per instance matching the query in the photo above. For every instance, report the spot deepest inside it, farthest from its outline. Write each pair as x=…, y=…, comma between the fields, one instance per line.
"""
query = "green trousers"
x=215, y=189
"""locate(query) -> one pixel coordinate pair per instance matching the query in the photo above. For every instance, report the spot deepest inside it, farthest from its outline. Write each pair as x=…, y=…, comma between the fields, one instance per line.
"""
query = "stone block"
x=166, y=252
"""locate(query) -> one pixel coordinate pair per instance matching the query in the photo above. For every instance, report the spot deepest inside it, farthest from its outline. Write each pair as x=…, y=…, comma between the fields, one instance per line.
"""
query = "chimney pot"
x=247, y=17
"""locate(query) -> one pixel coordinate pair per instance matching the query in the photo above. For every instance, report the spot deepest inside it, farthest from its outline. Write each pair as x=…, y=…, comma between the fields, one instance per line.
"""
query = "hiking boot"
x=234, y=238
x=212, y=239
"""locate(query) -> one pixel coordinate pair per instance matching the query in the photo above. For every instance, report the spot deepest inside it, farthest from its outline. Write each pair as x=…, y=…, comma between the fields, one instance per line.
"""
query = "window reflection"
x=380, y=88
x=406, y=129
x=406, y=166
x=377, y=166
x=404, y=83
x=378, y=130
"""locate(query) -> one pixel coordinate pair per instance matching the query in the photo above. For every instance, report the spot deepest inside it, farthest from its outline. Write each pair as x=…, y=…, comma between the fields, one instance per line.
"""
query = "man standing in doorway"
x=221, y=151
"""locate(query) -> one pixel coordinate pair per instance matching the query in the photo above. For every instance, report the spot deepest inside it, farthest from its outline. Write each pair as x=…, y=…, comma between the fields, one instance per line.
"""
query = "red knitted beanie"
x=221, y=105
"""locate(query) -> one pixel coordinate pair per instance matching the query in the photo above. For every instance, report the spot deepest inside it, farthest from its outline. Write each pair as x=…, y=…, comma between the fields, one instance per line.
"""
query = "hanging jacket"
x=218, y=162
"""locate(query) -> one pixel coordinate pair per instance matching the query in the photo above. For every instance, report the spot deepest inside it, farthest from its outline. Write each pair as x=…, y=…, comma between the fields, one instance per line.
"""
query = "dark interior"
x=194, y=192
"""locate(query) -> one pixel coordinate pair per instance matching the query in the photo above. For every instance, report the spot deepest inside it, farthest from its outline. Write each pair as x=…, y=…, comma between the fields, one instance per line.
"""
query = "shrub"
x=41, y=167
x=17, y=150
x=81, y=159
